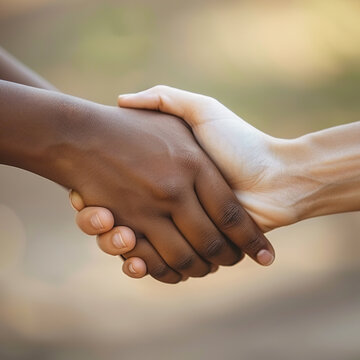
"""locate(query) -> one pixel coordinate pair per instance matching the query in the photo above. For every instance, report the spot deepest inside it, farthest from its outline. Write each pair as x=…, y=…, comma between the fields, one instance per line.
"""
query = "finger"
x=155, y=265
x=95, y=220
x=203, y=235
x=76, y=200
x=181, y=103
x=135, y=268
x=175, y=250
x=229, y=216
x=119, y=240
x=214, y=268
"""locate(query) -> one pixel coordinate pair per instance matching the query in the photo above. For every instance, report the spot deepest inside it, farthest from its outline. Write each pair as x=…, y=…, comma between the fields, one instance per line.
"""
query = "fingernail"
x=96, y=222
x=265, y=257
x=131, y=268
x=118, y=241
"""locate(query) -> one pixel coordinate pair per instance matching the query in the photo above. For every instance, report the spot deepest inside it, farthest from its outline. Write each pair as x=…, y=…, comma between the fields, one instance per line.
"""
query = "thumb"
x=183, y=104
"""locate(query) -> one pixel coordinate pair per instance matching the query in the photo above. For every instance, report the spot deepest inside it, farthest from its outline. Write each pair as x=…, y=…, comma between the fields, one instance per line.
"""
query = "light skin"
x=278, y=181
x=145, y=167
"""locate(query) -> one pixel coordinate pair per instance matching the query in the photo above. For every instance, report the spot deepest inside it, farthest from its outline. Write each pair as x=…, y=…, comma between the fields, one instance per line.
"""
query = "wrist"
x=89, y=133
x=316, y=177
x=332, y=171
x=291, y=159
x=75, y=134
x=42, y=131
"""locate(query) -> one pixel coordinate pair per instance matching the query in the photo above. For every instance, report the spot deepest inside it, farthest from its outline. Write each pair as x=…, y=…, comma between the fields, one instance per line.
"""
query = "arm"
x=278, y=181
x=13, y=70
x=327, y=166
x=32, y=123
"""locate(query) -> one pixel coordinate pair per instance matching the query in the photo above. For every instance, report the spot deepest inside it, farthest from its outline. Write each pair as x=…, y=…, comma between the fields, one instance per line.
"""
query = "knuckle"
x=190, y=160
x=232, y=215
x=211, y=99
x=208, y=100
x=160, y=92
x=171, y=191
x=254, y=244
x=159, y=270
x=183, y=262
x=159, y=88
x=213, y=246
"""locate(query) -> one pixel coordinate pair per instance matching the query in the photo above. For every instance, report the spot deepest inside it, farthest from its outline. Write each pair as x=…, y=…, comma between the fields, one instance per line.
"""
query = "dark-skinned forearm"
x=13, y=70
x=39, y=129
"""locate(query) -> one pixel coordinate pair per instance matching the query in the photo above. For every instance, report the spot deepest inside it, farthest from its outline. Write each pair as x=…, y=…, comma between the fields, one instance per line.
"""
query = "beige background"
x=286, y=67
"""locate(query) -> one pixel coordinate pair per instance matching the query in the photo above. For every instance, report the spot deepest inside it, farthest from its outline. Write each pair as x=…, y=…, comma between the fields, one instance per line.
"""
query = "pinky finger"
x=135, y=267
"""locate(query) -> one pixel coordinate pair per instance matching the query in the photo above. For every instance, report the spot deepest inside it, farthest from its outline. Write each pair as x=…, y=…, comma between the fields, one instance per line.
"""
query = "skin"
x=278, y=181
x=13, y=70
x=120, y=239
x=149, y=161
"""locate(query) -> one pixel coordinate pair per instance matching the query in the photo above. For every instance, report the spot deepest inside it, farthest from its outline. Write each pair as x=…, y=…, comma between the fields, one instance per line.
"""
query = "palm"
x=240, y=151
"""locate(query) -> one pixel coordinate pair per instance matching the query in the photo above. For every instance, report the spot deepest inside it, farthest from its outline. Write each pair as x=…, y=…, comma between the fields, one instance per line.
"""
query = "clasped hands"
x=180, y=190
x=184, y=215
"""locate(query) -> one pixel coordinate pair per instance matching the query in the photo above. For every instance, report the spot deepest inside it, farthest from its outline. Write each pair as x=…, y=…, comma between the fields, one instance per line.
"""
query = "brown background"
x=287, y=68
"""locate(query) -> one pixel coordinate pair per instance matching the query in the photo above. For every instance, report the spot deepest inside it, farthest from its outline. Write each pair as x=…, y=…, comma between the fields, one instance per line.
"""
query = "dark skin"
x=145, y=167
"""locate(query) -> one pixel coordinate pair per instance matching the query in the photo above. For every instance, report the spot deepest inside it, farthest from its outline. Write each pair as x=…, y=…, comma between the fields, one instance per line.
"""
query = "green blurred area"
x=299, y=75
x=287, y=67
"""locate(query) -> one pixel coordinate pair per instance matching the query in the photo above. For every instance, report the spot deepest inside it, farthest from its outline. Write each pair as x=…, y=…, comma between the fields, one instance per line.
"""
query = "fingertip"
x=124, y=96
x=265, y=257
x=135, y=268
x=76, y=200
x=118, y=241
x=122, y=99
x=95, y=220
x=128, y=237
x=214, y=268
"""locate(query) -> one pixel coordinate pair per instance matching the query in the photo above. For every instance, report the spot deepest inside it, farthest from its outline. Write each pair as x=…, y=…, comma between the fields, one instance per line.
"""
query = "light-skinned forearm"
x=323, y=170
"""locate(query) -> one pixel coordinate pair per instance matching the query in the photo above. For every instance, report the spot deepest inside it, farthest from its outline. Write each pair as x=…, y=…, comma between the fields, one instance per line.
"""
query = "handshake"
x=188, y=217
x=178, y=184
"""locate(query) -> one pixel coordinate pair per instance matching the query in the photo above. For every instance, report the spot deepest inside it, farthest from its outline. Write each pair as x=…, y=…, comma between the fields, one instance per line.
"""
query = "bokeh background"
x=287, y=67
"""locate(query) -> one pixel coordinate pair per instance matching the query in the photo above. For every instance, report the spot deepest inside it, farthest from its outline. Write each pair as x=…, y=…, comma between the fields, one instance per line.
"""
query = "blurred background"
x=287, y=67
